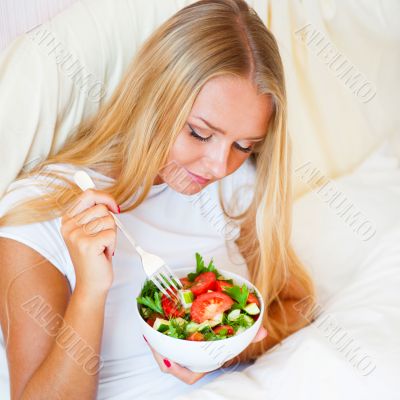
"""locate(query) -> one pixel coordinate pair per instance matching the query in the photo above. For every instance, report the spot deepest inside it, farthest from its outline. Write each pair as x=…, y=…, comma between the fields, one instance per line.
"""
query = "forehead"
x=233, y=105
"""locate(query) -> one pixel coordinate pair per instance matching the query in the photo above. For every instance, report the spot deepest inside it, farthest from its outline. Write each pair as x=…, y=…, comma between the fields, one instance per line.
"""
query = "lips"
x=199, y=178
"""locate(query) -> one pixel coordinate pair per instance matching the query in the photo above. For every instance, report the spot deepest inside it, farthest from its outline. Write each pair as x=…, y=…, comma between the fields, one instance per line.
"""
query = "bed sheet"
x=352, y=350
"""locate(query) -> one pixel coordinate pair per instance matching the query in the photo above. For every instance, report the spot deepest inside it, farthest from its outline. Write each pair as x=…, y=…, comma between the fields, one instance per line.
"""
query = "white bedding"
x=358, y=285
x=357, y=280
x=352, y=350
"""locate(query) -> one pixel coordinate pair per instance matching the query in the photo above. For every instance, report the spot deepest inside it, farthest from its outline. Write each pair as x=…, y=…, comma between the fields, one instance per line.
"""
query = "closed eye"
x=197, y=136
x=194, y=134
x=244, y=149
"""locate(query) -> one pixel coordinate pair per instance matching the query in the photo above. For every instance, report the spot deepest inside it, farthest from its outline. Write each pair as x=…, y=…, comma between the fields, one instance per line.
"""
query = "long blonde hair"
x=134, y=130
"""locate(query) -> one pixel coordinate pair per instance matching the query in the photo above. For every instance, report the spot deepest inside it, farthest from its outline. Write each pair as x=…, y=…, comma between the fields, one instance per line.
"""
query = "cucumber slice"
x=233, y=315
x=252, y=309
x=249, y=321
x=180, y=321
x=205, y=324
x=191, y=327
x=161, y=325
x=240, y=330
x=195, y=327
x=186, y=297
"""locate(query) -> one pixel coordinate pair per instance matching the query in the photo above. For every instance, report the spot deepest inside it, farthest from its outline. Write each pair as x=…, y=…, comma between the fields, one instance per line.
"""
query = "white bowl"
x=206, y=355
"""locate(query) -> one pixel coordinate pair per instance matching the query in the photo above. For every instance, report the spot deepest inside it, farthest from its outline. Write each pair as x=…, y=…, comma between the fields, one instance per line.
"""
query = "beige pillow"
x=60, y=72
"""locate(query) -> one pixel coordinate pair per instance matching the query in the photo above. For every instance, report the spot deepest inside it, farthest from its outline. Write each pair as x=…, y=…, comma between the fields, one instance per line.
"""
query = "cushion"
x=60, y=73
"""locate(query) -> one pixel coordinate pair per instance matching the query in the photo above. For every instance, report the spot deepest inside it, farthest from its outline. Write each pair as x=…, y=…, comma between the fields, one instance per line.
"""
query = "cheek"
x=185, y=151
x=188, y=152
x=235, y=162
x=182, y=156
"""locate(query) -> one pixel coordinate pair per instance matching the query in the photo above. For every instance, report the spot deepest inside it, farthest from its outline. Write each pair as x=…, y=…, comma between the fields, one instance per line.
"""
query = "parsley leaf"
x=149, y=288
x=200, y=268
x=238, y=294
x=152, y=303
x=176, y=329
x=209, y=334
x=242, y=321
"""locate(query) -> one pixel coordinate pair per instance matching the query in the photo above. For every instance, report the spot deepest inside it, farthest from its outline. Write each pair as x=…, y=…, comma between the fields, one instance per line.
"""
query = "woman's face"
x=227, y=120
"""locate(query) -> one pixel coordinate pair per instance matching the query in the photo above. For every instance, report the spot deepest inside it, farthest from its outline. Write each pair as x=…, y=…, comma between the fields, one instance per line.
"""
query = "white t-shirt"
x=169, y=224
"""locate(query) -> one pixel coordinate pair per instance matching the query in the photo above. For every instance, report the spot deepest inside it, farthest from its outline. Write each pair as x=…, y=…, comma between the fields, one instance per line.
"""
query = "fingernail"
x=144, y=337
x=119, y=210
x=113, y=252
x=167, y=363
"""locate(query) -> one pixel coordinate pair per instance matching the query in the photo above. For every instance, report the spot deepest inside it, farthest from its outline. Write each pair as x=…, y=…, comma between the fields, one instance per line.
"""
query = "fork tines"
x=166, y=282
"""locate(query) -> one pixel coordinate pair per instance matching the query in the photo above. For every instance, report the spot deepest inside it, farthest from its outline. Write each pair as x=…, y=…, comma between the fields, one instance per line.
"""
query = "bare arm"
x=54, y=338
x=42, y=321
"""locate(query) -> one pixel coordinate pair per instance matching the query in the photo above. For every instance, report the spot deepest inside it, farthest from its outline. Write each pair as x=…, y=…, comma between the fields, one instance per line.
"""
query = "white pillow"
x=332, y=241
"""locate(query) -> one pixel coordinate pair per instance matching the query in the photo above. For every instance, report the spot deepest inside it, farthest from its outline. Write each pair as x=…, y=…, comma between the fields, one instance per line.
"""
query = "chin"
x=179, y=179
x=189, y=188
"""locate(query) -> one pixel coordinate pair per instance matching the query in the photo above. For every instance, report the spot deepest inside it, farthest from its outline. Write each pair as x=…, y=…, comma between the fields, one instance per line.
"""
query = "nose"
x=217, y=161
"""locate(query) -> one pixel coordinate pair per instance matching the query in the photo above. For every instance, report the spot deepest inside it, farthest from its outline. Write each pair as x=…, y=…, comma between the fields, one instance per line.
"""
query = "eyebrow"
x=224, y=132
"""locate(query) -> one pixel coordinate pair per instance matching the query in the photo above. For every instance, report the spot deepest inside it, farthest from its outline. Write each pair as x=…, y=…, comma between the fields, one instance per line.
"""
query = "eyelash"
x=198, y=137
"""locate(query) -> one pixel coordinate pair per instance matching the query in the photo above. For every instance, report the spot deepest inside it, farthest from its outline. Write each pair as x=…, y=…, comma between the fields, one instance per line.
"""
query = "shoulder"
x=43, y=237
x=31, y=186
x=39, y=183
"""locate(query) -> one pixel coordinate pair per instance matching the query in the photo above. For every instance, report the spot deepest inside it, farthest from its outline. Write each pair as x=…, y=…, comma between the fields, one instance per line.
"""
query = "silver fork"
x=154, y=266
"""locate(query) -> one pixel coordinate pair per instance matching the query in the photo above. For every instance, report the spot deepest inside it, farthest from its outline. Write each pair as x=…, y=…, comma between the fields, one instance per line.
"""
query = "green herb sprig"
x=239, y=294
x=153, y=303
x=200, y=268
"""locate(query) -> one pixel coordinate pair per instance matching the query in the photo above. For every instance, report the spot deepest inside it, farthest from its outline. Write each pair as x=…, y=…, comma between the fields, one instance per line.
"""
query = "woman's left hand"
x=185, y=374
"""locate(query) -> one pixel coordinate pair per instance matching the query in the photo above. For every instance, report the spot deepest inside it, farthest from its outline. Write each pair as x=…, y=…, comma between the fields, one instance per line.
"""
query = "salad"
x=210, y=307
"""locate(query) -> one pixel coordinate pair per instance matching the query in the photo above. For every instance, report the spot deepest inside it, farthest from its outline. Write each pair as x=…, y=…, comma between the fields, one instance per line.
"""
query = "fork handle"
x=124, y=231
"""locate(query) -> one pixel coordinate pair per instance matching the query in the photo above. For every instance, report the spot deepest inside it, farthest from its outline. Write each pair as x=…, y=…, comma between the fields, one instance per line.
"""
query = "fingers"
x=184, y=374
x=91, y=221
x=232, y=362
x=170, y=367
x=90, y=198
x=261, y=335
x=99, y=210
x=99, y=233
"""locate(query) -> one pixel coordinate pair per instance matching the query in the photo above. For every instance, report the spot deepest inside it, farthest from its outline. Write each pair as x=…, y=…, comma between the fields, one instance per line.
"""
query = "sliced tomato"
x=205, y=281
x=208, y=305
x=219, y=285
x=186, y=283
x=172, y=308
x=229, y=329
x=151, y=321
x=253, y=299
x=152, y=318
x=196, y=336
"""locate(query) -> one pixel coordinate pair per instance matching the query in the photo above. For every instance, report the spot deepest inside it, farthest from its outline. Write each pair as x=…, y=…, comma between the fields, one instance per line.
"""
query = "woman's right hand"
x=89, y=232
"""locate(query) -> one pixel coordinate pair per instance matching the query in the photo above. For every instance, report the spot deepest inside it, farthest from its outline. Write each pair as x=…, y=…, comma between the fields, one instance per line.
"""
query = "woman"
x=201, y=110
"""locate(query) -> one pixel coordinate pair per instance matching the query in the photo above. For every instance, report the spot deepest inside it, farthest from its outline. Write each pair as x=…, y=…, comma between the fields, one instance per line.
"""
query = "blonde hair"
x=134, y=130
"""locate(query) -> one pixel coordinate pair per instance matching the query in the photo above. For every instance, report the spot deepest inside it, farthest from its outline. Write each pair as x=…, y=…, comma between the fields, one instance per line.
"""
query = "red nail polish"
x=167, y=363
x=119, y=210
x=144, y=337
